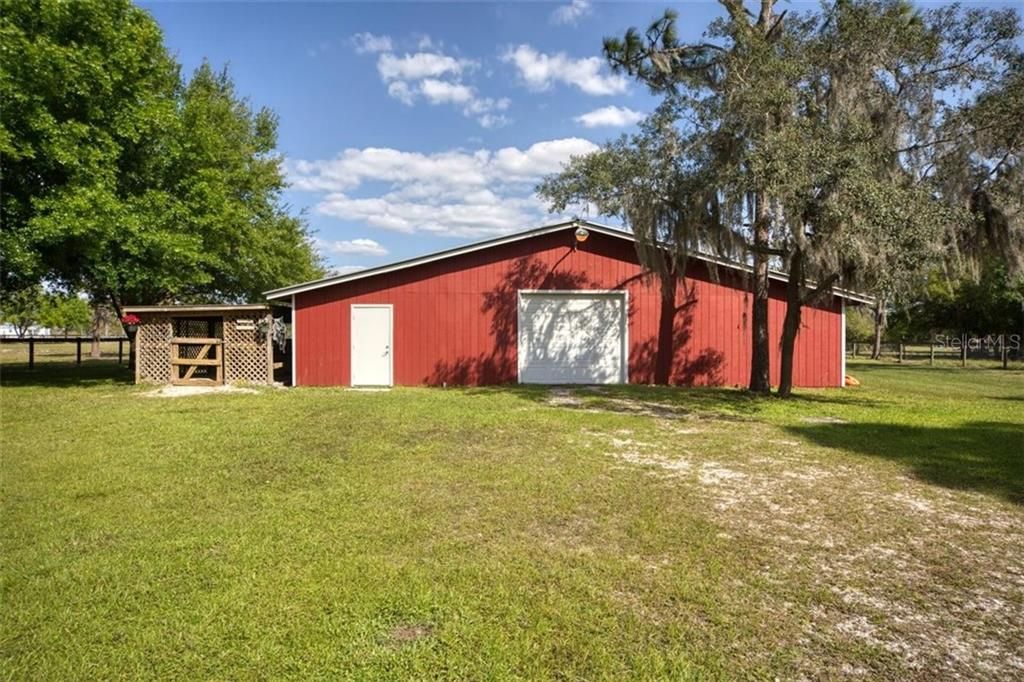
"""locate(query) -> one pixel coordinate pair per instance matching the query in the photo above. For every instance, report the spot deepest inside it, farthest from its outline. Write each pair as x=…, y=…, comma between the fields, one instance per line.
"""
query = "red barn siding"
x=455, y=319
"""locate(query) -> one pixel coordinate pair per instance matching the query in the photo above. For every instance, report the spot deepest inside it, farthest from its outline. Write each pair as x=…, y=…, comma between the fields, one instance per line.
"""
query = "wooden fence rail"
x=31, y=341
x=930, y=351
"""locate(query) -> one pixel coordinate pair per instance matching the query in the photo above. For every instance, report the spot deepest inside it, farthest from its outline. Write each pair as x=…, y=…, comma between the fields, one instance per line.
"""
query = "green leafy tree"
x=22, y=307
x=65, y=313
x=739, y=62
x=950, y=120
x=990, y=305
x=977, y=153
x=818, y=130
x=124, y=182
x=88, y=94
x=859, y=325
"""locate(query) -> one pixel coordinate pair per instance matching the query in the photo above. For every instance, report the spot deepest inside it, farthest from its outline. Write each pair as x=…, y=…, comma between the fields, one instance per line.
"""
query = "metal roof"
x=285, y=292
x=196, y=309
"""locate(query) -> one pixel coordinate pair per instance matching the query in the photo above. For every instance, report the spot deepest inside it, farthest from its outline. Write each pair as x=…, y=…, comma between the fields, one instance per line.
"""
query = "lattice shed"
x=204, y=344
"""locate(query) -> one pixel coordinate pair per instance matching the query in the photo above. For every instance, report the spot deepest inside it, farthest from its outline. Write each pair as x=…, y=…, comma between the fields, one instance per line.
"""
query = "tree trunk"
x=115, y=303
x=666, y=330
x=760, y=381
x=876, y=348
x=791, y=323
x=97, y=319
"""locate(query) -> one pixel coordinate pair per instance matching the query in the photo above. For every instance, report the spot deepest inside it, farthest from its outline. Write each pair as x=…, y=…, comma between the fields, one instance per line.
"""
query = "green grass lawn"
x=513, y=532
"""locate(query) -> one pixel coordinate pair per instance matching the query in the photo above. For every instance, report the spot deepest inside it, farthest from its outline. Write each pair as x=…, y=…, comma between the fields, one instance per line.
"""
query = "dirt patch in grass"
x=622, y=446
x=185, y=391
x=892, y=573
x=563, y=397
x=407, y=633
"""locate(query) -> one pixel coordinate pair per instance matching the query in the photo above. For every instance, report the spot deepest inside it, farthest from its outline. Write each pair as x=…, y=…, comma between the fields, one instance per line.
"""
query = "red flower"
x=130, y=318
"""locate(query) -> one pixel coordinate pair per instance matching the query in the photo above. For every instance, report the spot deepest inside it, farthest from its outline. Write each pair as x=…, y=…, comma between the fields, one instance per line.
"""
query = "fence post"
x=120, y=350
x=901, y=351
x=1006, y=354
x=31, y=353
x=854, y=349
x=963, y=355
x=931, y=353
x=78, y=350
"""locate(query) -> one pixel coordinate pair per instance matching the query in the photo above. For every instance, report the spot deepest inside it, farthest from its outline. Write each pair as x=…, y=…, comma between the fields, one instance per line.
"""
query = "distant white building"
x=8, y=329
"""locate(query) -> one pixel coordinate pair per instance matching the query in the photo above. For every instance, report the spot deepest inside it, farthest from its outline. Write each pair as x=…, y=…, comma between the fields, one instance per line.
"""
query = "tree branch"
x=822, y=287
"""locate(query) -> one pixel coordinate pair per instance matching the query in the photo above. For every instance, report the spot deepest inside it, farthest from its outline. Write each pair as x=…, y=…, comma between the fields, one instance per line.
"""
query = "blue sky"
x=413, y=127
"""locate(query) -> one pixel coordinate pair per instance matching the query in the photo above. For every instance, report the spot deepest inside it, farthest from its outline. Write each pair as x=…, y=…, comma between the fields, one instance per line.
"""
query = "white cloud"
x=540, y=158
x=439, y=92
x=367, y=42
x=612, y=117
x=570, y=14
x=482, y=105
x=401, y=91
x=459, y=94
x=493, y=121
x=362, y=247
x=540, y=71
x=434, y=77
x=463, y=193
x=421, y=65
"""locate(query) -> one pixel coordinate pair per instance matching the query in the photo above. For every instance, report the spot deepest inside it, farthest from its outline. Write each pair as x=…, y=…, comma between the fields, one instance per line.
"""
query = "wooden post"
x=78, y=350
x=900, y=351
x=133, y=353
x=963, y=355
x=931, y=353
x=854, y=349
x=31, y=353
x=218, y=369
x=120, y=350
x=1006, y=354
x=269, y=340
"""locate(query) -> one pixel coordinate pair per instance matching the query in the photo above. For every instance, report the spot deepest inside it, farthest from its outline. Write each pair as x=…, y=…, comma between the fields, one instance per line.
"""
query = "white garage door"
x=572, y=337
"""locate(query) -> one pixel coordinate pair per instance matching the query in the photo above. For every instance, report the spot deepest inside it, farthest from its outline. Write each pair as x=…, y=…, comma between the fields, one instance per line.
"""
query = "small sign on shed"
x=245, y=325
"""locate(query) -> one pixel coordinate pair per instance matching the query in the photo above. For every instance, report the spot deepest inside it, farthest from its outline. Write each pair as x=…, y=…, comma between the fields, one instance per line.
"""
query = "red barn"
x=541, y=306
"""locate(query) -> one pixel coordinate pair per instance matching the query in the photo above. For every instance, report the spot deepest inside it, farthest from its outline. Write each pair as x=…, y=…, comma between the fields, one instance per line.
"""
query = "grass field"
x=513, y=532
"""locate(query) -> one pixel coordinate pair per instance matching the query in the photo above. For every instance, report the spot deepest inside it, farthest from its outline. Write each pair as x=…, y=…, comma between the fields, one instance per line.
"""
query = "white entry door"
x=572, y=337
x=371, y=345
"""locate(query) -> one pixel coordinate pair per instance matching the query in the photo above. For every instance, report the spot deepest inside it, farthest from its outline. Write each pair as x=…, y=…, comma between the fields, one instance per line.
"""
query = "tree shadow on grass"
x=726, y=403
x=983, y=456
x=64, y=375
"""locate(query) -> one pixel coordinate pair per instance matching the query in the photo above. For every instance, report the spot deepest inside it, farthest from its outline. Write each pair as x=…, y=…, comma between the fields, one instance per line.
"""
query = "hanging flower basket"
x=131, y=323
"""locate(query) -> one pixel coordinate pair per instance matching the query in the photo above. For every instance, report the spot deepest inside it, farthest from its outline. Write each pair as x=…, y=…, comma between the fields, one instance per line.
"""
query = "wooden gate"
x=197, y=361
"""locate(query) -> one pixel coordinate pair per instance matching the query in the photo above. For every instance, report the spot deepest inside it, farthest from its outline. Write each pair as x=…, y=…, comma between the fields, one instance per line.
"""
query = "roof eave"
x=303, y=287
x=212, y=308
x=288, y=292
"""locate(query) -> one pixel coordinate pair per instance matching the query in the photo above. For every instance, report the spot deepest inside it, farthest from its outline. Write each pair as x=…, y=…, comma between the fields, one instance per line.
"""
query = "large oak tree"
x=126, y=182
x=832, y=140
